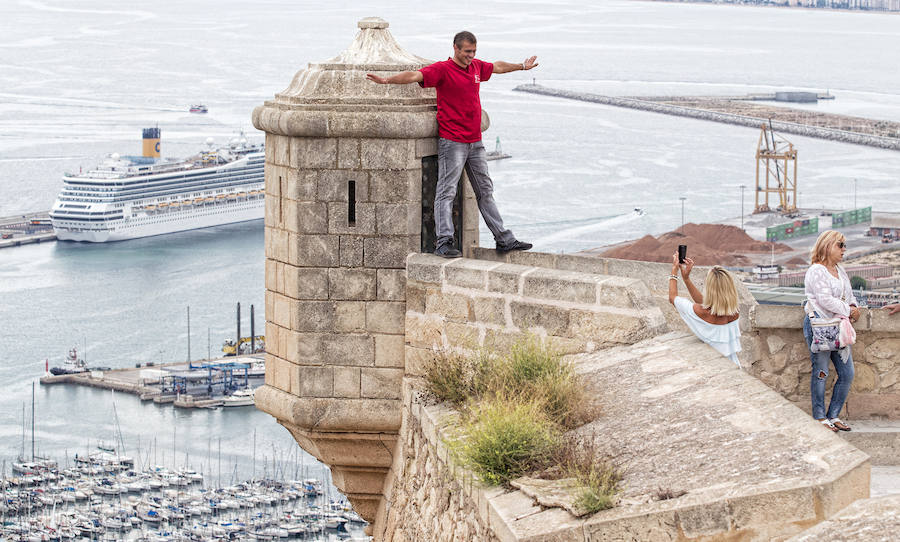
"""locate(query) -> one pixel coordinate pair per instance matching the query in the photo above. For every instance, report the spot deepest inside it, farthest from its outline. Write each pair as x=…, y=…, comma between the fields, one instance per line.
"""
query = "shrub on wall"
x=514, y=410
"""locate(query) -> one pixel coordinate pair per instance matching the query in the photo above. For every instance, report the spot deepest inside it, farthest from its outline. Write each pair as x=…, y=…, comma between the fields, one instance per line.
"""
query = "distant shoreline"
x=803, y=8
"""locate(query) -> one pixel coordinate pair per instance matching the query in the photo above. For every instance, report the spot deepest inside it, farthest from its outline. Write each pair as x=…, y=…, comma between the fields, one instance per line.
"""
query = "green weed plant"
x=515, y=408
x=504, y=439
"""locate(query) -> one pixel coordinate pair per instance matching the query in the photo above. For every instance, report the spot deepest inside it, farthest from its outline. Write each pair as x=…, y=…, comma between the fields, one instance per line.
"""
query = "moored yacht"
x=241, y=397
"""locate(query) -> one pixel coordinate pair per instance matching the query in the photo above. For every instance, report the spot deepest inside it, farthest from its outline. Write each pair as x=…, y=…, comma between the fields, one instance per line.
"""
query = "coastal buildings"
x=873, y=5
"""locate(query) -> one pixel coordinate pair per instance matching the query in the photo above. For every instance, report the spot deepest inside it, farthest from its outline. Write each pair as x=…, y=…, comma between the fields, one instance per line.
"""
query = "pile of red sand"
x=708, y=244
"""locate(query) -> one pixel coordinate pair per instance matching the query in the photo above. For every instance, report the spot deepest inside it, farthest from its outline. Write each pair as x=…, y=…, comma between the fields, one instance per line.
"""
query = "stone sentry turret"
x=345, y=161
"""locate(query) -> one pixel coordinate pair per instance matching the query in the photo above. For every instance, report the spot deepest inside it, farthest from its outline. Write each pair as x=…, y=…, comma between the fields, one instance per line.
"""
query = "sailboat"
x=37, y=466
x=497, y=153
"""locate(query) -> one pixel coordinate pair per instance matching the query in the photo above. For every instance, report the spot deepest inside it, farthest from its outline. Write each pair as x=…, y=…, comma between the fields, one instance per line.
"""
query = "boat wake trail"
x=578, y=232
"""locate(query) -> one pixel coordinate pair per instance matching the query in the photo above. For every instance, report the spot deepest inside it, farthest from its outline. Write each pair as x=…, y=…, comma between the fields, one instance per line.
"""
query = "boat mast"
x=32, y=420
x=189, y=332
x=22, y=450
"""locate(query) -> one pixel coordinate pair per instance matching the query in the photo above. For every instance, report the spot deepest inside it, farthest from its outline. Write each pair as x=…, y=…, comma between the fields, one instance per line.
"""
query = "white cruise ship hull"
x=167, y=222
x=132, y=197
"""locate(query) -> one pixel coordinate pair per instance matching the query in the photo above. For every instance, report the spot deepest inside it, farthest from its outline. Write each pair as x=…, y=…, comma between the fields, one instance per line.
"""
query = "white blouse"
x=726, y=338
x=830, y=296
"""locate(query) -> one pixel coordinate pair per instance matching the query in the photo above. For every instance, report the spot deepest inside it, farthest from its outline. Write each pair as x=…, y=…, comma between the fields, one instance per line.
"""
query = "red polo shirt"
x=458, y=102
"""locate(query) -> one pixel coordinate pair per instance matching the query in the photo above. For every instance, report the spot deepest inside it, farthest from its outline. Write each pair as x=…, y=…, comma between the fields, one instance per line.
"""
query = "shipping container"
x=797, y=228
x=851, y=217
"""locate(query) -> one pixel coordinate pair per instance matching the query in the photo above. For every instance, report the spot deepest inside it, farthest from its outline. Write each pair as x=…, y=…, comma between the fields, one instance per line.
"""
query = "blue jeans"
x=452, y=158
x=819, y=375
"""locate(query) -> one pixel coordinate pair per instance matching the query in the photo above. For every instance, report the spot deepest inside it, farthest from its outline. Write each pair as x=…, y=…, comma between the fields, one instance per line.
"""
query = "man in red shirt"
x=457, y=81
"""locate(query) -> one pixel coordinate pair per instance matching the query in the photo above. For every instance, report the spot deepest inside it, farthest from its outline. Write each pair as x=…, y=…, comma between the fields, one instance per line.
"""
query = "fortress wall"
x=431, y=498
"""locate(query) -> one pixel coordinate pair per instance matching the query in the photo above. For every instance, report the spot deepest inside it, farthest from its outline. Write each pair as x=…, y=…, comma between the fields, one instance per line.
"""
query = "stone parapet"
x=472, y=303
x=776, y=351
x=654, y=275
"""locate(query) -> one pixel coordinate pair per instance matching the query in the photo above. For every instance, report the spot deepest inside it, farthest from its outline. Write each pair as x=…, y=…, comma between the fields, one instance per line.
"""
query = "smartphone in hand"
x=682, y=253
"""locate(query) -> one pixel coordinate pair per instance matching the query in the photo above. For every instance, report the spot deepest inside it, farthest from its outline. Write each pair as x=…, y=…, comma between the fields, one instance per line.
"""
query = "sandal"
x=827, y=423
x=839, y=424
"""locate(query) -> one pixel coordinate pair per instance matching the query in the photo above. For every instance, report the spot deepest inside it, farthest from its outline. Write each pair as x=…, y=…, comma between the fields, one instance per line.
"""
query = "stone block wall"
x=778, y=356
x=434, y=499
x=335, y=287
x=467, y=304
x=655, y=276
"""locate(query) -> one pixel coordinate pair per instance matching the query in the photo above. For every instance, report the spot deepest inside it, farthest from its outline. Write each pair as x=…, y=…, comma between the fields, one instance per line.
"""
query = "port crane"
x=776, y=159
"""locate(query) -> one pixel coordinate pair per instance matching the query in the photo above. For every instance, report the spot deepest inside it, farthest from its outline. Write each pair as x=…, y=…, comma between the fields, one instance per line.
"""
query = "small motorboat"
x=241, y=397
x=199, y=108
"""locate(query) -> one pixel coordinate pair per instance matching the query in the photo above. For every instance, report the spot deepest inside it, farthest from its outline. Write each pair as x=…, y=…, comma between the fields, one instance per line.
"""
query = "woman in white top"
x=829, y=295
x=713, y=316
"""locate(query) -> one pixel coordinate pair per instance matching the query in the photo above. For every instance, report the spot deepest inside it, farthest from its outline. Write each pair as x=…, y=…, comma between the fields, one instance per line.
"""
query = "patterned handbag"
x=826, y=333
x=830, y=334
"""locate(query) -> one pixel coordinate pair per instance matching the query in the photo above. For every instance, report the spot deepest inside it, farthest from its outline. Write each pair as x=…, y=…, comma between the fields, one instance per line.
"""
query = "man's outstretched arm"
x=506, y=67
x=402, y=78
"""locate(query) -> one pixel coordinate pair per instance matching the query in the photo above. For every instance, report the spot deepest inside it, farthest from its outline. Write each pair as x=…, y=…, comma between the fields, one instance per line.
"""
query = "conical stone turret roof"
x=334, y=98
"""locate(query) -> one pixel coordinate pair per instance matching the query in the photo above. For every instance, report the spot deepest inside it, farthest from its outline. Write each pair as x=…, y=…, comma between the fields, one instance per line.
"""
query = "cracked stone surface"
x=681, y=419
x=551, y=493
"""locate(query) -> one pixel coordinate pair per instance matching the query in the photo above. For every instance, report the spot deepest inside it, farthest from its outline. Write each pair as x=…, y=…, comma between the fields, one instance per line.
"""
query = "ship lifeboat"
x=242, y=194
x=198, y=201
x=231, y=196
x=220, y=197
x=163, y=205
x=150, y=207
x=187, y=203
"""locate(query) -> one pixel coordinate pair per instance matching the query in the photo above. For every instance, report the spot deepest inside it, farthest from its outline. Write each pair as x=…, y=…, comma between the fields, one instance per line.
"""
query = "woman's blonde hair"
x=819, y=252
x=720, y=295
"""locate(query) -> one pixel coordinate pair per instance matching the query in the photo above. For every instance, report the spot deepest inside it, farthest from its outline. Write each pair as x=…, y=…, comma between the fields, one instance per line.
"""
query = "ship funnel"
x=151, y=142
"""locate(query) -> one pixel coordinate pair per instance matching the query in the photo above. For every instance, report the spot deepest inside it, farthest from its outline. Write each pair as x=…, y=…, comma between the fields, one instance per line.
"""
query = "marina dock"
x=201, y=384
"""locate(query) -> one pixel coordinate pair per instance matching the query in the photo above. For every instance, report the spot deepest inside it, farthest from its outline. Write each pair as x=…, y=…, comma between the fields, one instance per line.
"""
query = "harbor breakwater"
x=819, y=132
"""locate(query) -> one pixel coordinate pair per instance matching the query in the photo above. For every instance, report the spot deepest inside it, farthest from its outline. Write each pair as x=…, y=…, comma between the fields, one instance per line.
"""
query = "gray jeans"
x=452, y=158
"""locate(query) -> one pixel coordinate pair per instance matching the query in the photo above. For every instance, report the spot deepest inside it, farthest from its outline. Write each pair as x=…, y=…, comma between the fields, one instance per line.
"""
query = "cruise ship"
x=127, y=197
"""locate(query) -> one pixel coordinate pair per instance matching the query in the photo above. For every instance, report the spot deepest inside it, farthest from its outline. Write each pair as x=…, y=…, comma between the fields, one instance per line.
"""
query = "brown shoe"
x=827, y=423
x=839, y=424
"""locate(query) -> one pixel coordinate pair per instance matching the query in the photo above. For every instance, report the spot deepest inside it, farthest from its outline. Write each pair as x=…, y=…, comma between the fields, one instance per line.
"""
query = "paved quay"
x=26, y=229
x=145, y=381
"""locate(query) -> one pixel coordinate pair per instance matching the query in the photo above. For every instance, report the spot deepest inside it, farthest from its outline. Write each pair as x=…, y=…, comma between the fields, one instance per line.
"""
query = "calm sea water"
x=80, y=80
